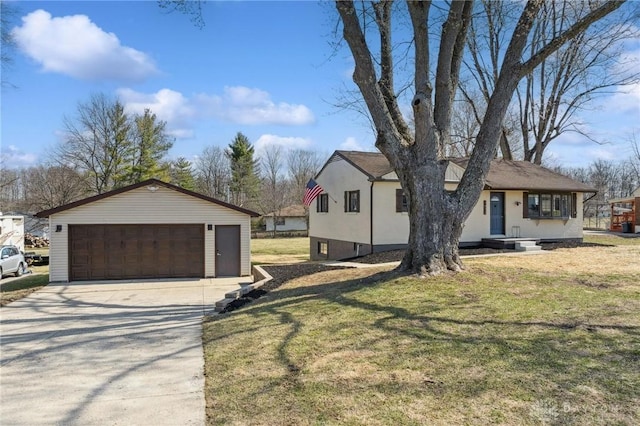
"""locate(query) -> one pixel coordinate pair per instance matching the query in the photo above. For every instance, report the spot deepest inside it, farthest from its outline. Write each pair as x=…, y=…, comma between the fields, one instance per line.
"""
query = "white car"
x=11, y=261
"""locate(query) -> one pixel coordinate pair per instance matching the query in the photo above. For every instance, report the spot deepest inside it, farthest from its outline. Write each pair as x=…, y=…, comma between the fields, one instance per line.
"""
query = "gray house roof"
x=296, y=210
x=503, y=174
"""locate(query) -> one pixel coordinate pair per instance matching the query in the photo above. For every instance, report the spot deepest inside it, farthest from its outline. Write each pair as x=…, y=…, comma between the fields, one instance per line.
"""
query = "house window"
x=280, y=221
x=323, y=248
x=322, y=203
x=534, y=205
x=402, y=204
x=549, y=205
x=351, y=201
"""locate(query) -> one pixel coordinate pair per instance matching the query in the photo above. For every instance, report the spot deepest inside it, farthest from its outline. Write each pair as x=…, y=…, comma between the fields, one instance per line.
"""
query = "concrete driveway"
x=108, y=353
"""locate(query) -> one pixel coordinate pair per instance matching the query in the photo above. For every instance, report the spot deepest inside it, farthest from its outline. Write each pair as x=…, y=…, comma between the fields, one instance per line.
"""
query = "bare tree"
x=11, y=193
x=486, y=43
x=587, y=66
x=274, y=191
x=549, y=97
x=48, y=187
x=302, y=165
x=464, y=127
x=213, y=173
x=635, y=158
x=7, y=12
x=436, y=217
x=98, y=143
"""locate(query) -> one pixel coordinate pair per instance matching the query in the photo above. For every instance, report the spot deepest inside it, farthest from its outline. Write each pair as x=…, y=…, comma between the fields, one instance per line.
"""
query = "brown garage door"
x=113, y=252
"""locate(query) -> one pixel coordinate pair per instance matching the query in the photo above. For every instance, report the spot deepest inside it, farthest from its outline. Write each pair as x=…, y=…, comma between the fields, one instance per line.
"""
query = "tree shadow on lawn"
x=562, y=355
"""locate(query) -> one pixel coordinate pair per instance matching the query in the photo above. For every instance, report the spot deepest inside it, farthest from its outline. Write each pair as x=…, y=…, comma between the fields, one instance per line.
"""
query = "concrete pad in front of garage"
x=113, y=353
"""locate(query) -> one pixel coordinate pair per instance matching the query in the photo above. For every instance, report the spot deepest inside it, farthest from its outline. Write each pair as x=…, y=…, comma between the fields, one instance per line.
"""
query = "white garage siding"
x=164, y=206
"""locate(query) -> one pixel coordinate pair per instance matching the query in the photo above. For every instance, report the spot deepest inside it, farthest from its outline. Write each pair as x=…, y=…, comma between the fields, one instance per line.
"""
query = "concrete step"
x=527, y=246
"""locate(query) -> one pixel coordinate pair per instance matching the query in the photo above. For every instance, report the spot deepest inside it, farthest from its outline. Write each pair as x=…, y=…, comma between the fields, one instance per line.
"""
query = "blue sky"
x=266, y=69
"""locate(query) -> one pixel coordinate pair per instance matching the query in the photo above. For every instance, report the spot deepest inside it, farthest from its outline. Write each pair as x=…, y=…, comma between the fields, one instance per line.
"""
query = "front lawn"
x=279, y=250
x=539, y=339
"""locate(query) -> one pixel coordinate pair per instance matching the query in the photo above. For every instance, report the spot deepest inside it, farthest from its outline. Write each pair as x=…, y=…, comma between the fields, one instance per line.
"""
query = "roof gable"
x=147, y=183
x=374, y=165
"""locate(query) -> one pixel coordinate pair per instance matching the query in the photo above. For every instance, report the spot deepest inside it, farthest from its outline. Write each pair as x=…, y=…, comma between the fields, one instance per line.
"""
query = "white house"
x=292, y=218
x=362, y=209
x=150, y=229
x=12, y=231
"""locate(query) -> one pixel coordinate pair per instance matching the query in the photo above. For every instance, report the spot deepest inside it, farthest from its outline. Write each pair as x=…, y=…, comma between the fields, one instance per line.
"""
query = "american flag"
x=311, y=192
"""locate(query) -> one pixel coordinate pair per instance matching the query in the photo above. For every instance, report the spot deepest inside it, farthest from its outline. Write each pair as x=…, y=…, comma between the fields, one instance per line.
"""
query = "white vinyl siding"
x=389, y=226
x=291, y=223
x=337, y=177
x=164, y=206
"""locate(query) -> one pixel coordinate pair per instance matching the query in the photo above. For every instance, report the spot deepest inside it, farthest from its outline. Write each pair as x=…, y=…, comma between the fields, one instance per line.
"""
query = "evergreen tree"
x=119, y=146
x=244, y=171
x=151, y=144
x=182, y=174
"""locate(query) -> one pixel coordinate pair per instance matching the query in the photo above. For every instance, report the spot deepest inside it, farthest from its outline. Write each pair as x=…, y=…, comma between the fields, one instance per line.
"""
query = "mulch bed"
x=283, y=273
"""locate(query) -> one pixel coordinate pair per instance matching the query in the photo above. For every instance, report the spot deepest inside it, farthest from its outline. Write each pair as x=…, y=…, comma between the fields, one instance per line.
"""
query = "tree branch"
x=570, y=33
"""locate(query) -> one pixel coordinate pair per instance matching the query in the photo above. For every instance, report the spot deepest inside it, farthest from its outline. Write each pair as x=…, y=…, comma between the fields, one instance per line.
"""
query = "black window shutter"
x=574, y=205
x=346, y=201
x=525, y=204
x=398, y=200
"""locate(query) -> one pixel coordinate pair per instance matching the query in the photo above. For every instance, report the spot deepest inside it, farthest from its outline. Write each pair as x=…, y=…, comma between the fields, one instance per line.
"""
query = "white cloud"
x=238, y=104
x=75, y=46
x=244, y=105
x=11, y=157
x=626, y=99
x=181, y=133
x=602, y=153
x=266, y=141
x=168, y=105
x=351, y=144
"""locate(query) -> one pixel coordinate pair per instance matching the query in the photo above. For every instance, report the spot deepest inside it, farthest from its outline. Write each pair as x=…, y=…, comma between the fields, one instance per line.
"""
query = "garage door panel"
x=136, y=251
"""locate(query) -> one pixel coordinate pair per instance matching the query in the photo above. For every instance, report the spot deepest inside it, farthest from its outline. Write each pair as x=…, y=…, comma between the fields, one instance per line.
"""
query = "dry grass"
x=266, y=251
x=19, y=288
x=590, y=260
x=543, y=339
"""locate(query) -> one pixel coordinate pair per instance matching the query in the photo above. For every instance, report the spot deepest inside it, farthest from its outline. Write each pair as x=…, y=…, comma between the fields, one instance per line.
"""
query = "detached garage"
x=150, y=229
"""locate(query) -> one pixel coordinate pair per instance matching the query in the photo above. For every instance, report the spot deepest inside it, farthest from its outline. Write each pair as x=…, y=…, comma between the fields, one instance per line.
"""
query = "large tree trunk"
x=435, y=221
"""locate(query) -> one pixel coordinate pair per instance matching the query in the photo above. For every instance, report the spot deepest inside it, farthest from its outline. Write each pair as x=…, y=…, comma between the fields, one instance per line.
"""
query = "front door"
x=227, y=250
x=497, y=213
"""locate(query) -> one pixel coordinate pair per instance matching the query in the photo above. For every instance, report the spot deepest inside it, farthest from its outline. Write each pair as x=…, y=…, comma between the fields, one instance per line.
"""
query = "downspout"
x=371, y=216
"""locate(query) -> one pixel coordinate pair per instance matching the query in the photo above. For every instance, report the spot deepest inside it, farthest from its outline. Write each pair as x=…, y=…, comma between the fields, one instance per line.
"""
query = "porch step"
x=527, y=246
x=507, y=242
